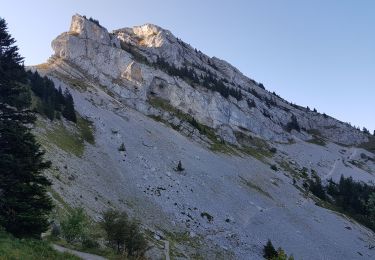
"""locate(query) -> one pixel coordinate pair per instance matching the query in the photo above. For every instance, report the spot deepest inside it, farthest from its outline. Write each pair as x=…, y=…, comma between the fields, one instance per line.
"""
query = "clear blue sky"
x=318, y=53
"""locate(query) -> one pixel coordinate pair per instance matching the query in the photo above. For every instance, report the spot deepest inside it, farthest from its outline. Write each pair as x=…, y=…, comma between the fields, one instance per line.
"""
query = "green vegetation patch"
x=66, y=140
x=183, y=238
x=287, y=167
x=71, y=141
x=254, y=146
x=31, y=249
x=317, y=137
x=86, y=128
x=222, y=147
x=78, y=84
x=255, y=187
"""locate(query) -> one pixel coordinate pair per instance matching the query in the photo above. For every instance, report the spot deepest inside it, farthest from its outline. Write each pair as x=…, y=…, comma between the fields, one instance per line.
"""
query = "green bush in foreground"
x=123, y=234
x=74, y=227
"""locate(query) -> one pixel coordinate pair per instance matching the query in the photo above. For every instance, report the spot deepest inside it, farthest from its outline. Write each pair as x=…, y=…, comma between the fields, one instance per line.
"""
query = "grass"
x=86, y=129
x=182, y=238
x=79, y=84
x=286, y=166
x=71, y=141
x=66, y=140
x=255, y=187
x=316, y=137
x=253, y=146
x=223, y=147
x=361, y=165
x=28, y=249
x=254, y=152
x=166, y=106
x=317, y=140
x=61, y=208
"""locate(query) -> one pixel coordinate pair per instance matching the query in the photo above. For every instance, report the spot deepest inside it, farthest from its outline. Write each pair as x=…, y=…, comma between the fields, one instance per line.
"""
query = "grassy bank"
x=30, y=249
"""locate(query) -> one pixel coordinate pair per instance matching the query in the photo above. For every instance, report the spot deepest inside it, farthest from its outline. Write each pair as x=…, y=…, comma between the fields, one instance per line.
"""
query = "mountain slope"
x=167, y=103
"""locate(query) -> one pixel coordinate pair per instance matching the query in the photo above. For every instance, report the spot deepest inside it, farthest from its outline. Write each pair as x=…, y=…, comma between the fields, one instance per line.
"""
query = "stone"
x=133, y=73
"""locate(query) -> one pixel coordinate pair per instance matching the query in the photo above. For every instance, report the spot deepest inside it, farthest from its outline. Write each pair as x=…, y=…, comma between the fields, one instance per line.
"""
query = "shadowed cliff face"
x=166, y=102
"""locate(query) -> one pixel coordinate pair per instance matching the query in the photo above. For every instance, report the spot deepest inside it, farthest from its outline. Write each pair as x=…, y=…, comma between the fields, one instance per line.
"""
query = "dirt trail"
x=166, y=249
x=85, y=256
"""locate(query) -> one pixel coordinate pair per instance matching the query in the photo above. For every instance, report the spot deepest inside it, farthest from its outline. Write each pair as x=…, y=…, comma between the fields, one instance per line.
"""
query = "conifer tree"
x=179, y=167
x=269, y=252
x=69, y=112
x=24, y=203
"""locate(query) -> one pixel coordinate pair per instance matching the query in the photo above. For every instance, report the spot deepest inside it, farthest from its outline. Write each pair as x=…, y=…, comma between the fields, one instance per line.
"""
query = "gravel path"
x=166, y=249
x=85, y=256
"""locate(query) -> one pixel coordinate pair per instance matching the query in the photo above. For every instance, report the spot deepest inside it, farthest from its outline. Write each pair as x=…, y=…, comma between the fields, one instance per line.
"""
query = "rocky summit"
x=246, y=153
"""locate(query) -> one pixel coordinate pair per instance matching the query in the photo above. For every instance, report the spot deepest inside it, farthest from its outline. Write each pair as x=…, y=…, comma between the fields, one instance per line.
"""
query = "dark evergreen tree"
x=24, y=203
x=316, y=187
x=365, y=130
x=51, y=101
x=179, y=167
x=269, y=252
x=209, y=80
x=293, y=124
x=69, y=112
x=60, y=96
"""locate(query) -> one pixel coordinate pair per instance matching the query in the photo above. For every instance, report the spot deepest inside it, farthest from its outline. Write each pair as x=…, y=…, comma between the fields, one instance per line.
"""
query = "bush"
x=122, y=234
x=74, y=227
x=179, y=167
x=208, y=216
x=251, y=103
x=90, y=243
x=273, y=150
x=122, y=148
x=274, y=167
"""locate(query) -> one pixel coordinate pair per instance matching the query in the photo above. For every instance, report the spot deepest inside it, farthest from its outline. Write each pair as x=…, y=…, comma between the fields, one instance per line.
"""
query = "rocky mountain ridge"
x=144, y=62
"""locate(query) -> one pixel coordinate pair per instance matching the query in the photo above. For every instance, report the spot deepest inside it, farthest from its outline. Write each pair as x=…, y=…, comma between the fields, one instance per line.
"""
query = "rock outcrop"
x=127, y=62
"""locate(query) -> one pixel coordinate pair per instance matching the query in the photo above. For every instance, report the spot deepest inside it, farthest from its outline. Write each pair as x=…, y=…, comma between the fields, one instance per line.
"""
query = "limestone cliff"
x=127, y=63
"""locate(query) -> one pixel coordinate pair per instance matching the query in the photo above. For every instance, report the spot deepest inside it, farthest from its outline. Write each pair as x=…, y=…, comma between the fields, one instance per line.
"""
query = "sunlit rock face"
x=133, y=73
x=124, y=63
x=86, y=29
